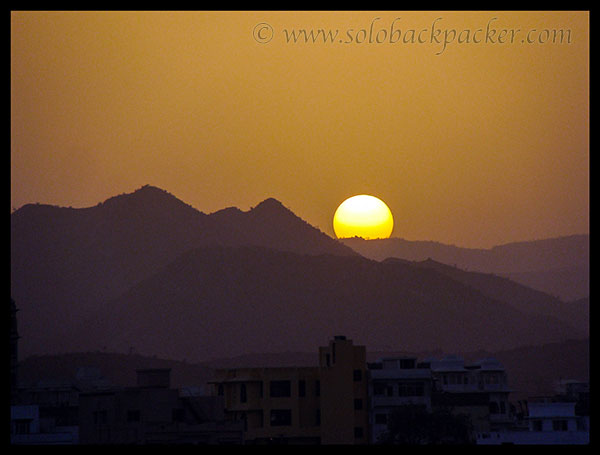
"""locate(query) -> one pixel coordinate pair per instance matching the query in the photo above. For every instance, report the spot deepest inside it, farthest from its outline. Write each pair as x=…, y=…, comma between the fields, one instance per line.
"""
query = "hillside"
x=558, y=266
x=67, y=263
x=519, y=296
x=222, y=302
x=149, y=272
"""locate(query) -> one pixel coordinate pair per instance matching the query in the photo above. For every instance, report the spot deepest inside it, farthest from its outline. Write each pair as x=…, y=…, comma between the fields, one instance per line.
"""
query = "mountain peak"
x=271, y=207
x=269, y=204
x=146, y=196
x=149, y=191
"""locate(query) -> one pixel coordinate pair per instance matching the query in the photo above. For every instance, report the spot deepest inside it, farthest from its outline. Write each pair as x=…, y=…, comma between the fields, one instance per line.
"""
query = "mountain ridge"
x=558, y=266
x=70, y=266
x=289, y=301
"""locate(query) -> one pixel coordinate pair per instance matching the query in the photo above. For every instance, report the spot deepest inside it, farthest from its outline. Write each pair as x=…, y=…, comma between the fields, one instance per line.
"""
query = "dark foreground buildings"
x=342, y=400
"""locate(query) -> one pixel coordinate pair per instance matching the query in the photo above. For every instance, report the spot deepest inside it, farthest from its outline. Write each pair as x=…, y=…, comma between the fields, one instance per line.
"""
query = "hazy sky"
x=475, y=143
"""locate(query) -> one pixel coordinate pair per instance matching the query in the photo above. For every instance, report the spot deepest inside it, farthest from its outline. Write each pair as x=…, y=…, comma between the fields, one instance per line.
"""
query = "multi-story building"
x=46, y=413
x=479, y=389
x=14, y=353
x=547, y=422
x=153, y=413
x=344, y=393
x=274, y=404
x=395, y=382
x=28, y=428
x=325, y=404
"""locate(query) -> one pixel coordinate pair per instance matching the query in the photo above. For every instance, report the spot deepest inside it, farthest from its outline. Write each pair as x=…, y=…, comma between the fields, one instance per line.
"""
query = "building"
x=547, y=422
x=395, y=382
x=479, y=389
x=344, y=393
x=275, y=405
x=46, y=413
x=27, y=427
x=14, y=352
x=324, y=404
x=153, y=413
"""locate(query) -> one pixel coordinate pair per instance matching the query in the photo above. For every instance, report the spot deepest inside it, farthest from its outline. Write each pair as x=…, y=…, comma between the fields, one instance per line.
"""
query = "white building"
x=547, y=423
x=395, y=382
x=26, y=427
x=486, y=378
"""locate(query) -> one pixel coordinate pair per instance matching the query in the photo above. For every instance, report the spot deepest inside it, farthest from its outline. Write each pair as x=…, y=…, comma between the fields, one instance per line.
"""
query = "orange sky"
x=474, y=144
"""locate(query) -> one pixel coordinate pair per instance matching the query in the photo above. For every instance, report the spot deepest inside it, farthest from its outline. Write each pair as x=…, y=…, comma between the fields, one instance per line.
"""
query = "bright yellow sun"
x=363, y=216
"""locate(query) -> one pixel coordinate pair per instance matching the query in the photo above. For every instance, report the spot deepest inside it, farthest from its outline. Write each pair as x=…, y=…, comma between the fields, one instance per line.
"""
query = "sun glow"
x=363, y=216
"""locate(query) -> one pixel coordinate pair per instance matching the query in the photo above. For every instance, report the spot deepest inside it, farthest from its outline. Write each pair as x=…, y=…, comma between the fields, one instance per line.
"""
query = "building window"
x=279, y=389
x=411, y=390
x=243, y=394
x=22, y=426
x=318, y=418
x=502, y=408
x=536, y=425
x=327, y=361
x=301, y=388
x=407, y=364
x=133, y=415
x=381, y=419
x=357, y=375
x=494, y=408
x=221, y=391
x=260, y=388
x=406, y=390
x=281, y=417
x=390, y=391
x=261, y=419
x=317, y=388
x=560, y=425
x=178, y=415
x=358, y=432
x=100, y=417
x=378, y=389
x=358, y=404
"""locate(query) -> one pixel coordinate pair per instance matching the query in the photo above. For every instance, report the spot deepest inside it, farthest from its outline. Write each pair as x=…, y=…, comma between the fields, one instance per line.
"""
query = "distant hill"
x=222, y=302
x=519, y=296
x=558, y=266
x=567, y=283
x=66, y=263
x=147, y=271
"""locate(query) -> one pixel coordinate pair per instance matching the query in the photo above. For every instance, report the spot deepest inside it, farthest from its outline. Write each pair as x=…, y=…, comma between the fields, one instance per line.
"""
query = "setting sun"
x=363, y=216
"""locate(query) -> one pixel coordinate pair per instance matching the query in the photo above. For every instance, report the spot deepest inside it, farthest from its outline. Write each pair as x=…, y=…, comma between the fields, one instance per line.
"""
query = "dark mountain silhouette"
x=558, y=266
x=66, y=263
x=567, y=283
x=519, y=296
x=147, y=271
x=219, y=302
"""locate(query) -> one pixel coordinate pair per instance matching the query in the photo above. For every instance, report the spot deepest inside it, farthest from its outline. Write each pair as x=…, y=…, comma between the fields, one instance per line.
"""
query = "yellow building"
x=344, y=407
x=301, y=405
